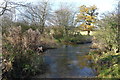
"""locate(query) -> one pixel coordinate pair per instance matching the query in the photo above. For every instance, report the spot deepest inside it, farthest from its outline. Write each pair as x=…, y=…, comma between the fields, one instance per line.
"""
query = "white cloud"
x=103, y=5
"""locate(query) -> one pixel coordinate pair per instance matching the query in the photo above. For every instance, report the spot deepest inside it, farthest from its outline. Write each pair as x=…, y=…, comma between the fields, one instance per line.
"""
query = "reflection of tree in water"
x=83, y=61
x=70, y=61
x=63, y=62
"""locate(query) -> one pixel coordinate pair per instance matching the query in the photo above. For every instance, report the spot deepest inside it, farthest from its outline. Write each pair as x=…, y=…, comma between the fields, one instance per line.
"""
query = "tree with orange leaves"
x=87, y=17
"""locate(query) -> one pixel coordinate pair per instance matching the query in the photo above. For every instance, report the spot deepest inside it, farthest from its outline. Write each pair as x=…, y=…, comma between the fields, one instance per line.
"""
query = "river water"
x=69, y=61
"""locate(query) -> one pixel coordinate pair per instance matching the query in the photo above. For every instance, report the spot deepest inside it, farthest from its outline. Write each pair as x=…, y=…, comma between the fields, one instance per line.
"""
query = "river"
x=68, y=61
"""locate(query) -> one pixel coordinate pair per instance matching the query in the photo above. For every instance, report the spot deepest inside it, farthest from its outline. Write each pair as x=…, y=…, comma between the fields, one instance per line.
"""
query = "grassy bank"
x=75, y=39
x=106, y=48
x=106, y=64
x=72, y=36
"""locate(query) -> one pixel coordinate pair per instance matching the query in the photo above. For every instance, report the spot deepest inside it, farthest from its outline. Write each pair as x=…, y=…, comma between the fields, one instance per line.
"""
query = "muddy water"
x=69, y=62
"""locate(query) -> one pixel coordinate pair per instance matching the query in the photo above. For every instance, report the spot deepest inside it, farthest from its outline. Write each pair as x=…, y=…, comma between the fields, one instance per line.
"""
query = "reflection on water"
x=68, y=61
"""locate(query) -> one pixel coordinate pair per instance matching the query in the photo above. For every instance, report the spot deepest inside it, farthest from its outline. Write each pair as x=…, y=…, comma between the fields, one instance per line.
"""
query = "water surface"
x=68, y=61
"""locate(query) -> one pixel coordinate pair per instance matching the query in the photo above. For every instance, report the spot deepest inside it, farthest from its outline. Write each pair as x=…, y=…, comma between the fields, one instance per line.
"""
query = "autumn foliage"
x=87, y=17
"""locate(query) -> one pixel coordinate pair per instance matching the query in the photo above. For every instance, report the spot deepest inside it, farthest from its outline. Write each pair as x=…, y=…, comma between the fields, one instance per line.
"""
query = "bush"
x=73, y=38
x=106, y=40
x=25, y=63
x=58, y=32
x=107, y=35
x=110, y=66
x=20, y=55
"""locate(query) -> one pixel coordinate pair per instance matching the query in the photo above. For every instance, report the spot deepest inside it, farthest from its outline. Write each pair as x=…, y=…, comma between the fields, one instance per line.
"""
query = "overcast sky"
x=102, y=5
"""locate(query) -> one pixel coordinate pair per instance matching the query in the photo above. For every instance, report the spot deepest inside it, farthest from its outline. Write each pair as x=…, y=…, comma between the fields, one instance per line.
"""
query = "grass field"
x=85, y=32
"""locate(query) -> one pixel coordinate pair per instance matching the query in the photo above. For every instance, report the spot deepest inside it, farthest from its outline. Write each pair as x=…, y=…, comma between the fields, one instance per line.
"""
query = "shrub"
x=19, y=50
x=106, y=40
x=107, y=35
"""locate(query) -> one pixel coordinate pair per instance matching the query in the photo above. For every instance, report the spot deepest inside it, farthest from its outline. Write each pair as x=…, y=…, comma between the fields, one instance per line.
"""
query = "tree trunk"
x=88, y=33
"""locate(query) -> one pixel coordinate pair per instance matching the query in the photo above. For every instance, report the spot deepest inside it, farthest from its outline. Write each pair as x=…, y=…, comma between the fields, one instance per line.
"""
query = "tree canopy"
x=87, y=17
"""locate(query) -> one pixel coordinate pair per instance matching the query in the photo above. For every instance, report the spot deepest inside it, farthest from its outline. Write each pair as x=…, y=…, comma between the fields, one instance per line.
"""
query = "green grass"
x=1, y=54
x=107, y=64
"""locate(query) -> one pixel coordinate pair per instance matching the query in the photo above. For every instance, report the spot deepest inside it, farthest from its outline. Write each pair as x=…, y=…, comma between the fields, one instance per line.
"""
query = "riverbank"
x=75, y=39
x=106, y=61
x=107, y=64
x=23, y=52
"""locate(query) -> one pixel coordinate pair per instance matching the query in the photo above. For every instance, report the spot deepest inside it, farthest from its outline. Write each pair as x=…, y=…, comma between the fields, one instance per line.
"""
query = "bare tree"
x=7, y=5
x=37, y=14
x=3, y=7
x=64, y=16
